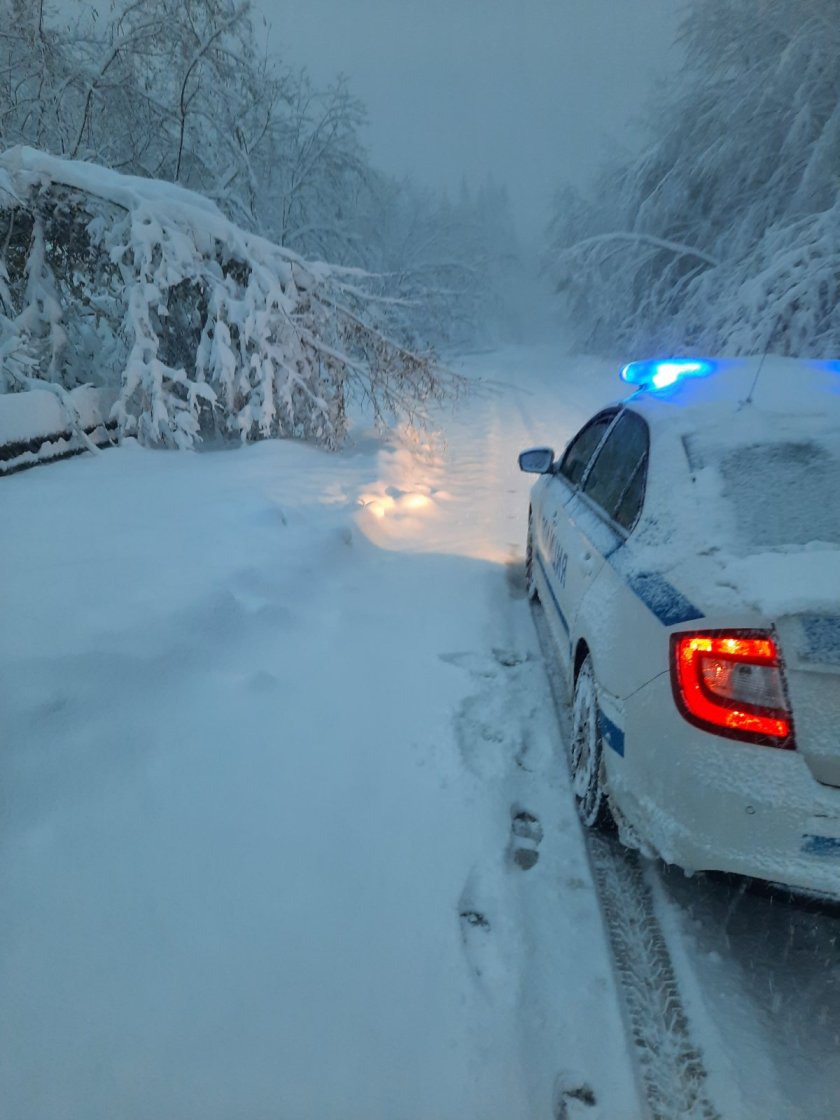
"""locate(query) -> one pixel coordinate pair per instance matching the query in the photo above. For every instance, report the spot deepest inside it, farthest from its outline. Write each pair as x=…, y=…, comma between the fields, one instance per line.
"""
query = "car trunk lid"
x=811, y=650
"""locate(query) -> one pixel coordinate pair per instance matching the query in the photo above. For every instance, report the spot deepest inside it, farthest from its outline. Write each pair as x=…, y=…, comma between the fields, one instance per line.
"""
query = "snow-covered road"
x=268, y=717
x=286, y=832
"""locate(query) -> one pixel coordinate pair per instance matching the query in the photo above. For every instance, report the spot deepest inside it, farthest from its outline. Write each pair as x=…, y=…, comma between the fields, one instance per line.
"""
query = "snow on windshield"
x=780, y=494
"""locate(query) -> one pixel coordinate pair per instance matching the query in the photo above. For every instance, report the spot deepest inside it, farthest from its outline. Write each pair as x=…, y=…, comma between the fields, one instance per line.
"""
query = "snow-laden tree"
x=454, y=263
x=203, y=327
x=317, y=176
x=723, y=234
x=39, y=88
x=180, y=90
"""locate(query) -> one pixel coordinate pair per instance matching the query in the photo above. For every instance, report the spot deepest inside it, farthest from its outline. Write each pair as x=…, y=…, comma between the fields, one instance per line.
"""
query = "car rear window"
x=785, y=493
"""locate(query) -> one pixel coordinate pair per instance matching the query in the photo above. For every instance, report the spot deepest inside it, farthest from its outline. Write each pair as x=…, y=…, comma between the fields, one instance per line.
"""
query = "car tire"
x=530, y=582
x=586, y=754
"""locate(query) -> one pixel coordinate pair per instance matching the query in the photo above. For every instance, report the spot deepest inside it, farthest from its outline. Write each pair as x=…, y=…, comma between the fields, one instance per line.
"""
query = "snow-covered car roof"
x=744, y=474
x=741, y=399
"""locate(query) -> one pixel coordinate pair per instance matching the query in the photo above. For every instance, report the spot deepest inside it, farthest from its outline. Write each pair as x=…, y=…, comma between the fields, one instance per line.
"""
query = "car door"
x=604, y=509
x=558, y=551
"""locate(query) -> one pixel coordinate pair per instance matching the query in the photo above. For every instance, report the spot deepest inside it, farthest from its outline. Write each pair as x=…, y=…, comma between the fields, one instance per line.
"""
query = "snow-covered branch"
x=642, y=239
x=205, y=329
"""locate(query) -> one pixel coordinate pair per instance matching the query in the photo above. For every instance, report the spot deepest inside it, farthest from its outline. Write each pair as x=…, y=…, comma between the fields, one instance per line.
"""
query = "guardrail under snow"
x=36, y=426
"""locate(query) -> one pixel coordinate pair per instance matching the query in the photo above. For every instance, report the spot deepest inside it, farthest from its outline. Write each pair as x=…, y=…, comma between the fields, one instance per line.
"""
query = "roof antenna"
x=749, y=397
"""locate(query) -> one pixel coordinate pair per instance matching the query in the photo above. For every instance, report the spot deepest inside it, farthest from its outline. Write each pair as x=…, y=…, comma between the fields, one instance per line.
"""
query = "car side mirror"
x=538, y=460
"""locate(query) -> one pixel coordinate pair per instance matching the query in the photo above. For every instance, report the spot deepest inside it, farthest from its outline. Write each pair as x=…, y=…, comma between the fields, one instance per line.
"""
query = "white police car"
x=686, y=550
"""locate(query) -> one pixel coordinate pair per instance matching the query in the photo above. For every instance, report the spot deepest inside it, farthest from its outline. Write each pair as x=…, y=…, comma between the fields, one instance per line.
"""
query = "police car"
x=686, y=550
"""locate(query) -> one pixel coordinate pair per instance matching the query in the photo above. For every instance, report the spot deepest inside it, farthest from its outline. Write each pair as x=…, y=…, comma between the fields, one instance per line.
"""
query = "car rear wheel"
x=587, y=753
x=530, y=582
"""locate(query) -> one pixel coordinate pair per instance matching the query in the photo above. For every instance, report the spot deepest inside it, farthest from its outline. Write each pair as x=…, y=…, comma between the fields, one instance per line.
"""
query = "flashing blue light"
x=660, y=373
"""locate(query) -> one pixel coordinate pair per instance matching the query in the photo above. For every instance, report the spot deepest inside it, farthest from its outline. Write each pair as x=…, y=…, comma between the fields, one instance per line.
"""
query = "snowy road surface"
x=286, y=832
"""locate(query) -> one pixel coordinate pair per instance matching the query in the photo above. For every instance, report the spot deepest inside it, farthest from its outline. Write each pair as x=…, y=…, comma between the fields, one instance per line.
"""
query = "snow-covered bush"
x=203, y=327
x=723, y=234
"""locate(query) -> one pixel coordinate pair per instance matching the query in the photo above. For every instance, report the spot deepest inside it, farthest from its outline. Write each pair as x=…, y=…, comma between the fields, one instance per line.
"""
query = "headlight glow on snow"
x=660, y=373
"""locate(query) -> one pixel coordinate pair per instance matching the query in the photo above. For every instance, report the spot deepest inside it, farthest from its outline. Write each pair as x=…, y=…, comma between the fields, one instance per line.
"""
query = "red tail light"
x=732, y=683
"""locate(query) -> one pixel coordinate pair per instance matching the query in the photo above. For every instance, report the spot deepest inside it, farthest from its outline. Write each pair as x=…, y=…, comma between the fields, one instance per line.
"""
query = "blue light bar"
x=660, y=373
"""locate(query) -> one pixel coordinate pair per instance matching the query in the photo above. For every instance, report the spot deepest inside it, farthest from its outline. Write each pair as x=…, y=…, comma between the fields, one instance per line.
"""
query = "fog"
x=529, y=92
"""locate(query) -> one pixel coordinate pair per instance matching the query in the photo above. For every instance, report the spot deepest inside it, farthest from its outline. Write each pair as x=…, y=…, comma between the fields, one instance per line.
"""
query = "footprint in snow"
x=474, y=663
x=510, y=658
x=480, y=665
x=489, y=733
x=526, y=835
x=475, y=933
x=476, y=919
x=571, y=1097
x=521, y=758
x=481, y=737
x=484, y=935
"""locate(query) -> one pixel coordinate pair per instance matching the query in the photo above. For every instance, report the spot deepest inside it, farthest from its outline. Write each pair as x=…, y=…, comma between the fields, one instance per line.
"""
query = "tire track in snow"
x=529, y=897
x=669, y=1065
x=669, y=1069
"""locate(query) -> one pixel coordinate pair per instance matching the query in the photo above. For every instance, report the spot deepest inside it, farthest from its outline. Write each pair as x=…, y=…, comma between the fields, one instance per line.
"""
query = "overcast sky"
x=528, y=91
